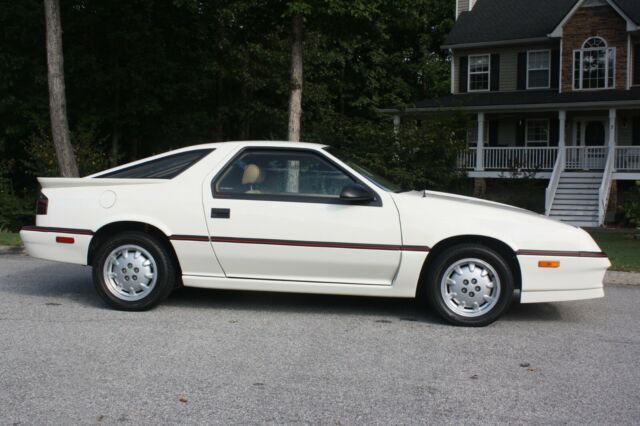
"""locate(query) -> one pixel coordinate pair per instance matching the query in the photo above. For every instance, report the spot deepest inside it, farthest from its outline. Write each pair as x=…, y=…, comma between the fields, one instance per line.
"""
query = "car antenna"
x=424, y=193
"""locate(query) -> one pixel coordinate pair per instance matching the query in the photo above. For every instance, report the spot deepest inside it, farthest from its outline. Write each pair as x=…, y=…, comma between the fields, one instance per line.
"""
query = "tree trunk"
x=57, y=102
x=115, y=146
x=295, y=101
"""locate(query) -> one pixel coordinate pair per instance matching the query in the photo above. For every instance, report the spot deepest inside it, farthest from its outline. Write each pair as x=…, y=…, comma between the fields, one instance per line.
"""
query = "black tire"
x=165, y=271
x=445, y=260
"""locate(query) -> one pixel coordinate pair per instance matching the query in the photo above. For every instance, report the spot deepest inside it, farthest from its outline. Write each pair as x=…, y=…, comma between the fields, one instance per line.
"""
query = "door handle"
x=220, y=213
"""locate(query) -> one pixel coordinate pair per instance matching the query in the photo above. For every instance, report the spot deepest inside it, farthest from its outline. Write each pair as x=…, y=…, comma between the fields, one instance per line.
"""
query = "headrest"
x=252, y=174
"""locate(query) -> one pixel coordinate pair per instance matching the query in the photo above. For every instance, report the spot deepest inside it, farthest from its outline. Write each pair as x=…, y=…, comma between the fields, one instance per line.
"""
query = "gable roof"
x=510, y=20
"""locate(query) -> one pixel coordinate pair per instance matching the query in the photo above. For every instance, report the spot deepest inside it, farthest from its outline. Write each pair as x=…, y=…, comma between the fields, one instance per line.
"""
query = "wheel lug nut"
x=135, y=277
x=464, y=290
x=472, y=294
x=474, y=281
x=465, y=282
x=136, y=270
x=126, y=277
x=124, y=271
x=478, y=288
x=129, y=266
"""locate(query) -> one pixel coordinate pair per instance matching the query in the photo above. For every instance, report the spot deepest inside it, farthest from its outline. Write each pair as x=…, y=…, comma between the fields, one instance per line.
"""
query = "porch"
x=534, y=144
x=539, y=162
x=581, y=153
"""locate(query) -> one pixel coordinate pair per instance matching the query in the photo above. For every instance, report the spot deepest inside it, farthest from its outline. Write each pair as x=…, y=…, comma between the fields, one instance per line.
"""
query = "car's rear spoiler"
x=56, y=182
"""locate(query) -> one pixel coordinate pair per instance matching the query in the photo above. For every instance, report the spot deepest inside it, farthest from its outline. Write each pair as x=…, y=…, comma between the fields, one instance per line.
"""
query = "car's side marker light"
x=65, y=240
x=549, y=264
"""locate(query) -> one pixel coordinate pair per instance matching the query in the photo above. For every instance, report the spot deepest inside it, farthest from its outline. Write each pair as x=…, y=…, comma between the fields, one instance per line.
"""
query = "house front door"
x=590, y=136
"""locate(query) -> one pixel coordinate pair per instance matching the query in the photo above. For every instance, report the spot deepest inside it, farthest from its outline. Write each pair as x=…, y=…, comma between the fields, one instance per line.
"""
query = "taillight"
x=42, y=204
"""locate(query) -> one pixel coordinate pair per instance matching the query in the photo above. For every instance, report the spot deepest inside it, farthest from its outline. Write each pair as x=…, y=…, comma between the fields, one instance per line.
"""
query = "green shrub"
x=15, y=211
x=88, y=147
x=630, y=209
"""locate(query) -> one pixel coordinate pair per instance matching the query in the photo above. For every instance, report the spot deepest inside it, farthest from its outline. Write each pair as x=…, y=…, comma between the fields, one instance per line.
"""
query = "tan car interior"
x=252, y=175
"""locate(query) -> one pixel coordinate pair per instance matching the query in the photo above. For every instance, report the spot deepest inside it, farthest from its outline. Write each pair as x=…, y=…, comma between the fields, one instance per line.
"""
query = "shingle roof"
x=530, y=98
x=631, y=8
x=503, y=20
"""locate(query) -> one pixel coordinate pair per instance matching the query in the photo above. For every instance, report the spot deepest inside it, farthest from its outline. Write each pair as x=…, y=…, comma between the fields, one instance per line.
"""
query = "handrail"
x=558, y=168
x=605, y=186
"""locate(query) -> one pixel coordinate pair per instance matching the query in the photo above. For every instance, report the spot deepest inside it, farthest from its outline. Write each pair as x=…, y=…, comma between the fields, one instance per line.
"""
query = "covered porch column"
x=479, y=184
x=613, y=192
x=480, y=143
x=562, y=138
x=612, y=131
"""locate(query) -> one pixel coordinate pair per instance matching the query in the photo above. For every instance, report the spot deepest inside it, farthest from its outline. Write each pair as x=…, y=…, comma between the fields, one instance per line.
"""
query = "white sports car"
x=292, y=217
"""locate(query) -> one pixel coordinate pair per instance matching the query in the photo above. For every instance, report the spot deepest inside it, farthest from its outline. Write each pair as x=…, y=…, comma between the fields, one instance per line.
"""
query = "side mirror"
x=356, y=193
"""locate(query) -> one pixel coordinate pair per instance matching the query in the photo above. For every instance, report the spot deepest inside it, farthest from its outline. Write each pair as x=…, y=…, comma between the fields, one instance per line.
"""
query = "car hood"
x=435, y=216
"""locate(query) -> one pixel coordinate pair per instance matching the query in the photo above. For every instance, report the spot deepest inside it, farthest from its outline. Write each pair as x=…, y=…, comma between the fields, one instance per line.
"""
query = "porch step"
x=571, y=196
x=582, y=175
x=577, y=191
x=563, y=185
x=576, y=199
x=575, y=203
x=574, y=212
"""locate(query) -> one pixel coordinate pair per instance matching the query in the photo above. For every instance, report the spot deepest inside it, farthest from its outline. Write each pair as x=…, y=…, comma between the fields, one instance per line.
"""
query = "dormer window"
x=594, y=65
x=479, y=70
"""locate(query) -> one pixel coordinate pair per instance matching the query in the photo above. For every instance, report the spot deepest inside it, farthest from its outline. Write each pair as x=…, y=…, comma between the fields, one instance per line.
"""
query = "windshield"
x=379, y=181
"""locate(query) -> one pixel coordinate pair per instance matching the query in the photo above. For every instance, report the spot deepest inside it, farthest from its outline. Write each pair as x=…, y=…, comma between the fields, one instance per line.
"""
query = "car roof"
x=212, y=145
x=277, y=144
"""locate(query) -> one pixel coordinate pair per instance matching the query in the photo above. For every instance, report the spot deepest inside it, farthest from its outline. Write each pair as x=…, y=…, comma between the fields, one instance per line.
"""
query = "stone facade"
x=601, y=21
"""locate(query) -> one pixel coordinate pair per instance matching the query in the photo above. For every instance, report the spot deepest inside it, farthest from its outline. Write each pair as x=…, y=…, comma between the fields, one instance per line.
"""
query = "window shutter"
x=493, y=132
x=636, y=64
x=554, y=132
x=464, y=74
x=522, y=71
x=495, y=73
x=520, y=132
x=635, y=138
x=555, y=68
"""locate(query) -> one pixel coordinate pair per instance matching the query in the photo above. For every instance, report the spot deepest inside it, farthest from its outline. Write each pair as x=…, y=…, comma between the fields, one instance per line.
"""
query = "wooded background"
x=145, y=76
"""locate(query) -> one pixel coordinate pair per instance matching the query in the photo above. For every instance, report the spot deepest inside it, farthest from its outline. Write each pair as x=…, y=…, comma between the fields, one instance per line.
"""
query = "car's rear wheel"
x=470, y=285
x=133, y=271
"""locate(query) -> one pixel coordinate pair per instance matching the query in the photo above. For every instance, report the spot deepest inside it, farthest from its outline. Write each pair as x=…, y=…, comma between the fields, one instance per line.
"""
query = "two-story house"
x=553, y=87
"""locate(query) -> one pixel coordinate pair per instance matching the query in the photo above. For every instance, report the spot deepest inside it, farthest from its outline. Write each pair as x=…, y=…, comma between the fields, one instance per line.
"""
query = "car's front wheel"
x=470, y=285
x=133, y=271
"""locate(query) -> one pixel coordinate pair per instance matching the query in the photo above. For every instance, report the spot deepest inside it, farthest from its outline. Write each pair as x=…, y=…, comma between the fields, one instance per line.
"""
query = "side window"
x=166, y=167
x=289, y=173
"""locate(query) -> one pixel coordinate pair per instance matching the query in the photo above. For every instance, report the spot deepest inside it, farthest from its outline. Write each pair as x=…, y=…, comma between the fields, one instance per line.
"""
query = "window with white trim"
x=537, y=133
x=479, y=70
x=538, y=69
x=594, y=66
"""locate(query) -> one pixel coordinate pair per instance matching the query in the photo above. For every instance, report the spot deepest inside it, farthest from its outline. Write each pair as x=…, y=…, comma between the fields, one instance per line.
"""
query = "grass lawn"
x=10, y=239
x=622, y=248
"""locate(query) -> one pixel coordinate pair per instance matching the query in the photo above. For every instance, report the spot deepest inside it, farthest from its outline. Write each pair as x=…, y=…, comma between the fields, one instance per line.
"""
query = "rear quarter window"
x=162, y=168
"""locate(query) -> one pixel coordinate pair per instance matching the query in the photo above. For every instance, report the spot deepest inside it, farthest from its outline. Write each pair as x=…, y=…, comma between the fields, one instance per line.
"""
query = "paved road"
x=237, y=357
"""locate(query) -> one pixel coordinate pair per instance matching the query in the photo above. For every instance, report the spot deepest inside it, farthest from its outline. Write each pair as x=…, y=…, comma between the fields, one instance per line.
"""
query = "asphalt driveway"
x=231, y=357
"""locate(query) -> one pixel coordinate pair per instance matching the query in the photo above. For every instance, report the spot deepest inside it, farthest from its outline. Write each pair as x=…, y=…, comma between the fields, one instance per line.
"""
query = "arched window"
x=594, y=65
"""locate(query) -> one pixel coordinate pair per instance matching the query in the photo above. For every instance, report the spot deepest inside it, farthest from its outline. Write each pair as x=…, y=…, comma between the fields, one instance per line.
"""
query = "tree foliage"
x=165, y=74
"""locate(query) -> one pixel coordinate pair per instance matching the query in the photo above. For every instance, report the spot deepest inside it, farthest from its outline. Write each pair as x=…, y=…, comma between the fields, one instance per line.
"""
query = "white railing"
x=517, y=158
x=627, y=158
x=586, y=157
x=576, y=158
x=467, y=159
x=550, y=194
x=605, y=186
x=510, y=158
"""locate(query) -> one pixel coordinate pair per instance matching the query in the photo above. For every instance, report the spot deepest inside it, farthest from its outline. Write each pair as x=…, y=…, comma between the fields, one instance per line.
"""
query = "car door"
x=276, y=214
